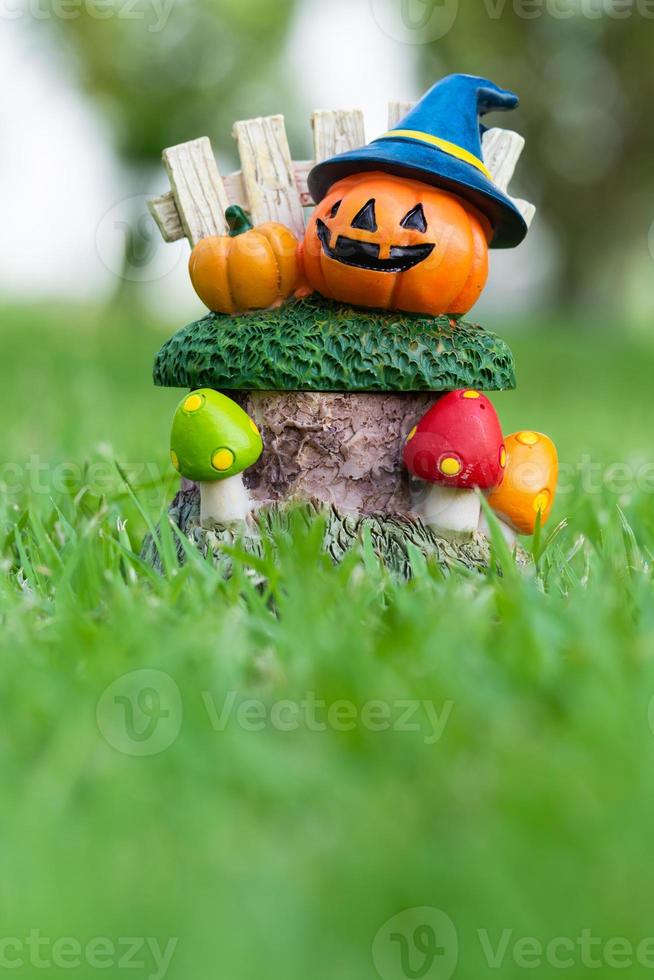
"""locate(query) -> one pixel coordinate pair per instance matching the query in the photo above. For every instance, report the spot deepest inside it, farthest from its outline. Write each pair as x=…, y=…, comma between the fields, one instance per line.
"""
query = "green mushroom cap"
x=212, y=437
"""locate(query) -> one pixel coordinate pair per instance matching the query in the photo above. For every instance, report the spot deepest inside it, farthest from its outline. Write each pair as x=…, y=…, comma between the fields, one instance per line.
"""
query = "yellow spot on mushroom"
x=471, y=394
x=541, y=500
x=412, y=433
x=222, y=459
x=527, y=438
x=174, y=459
x=449, y=466
x=253, y=426
x=502, y=457
x=192, y=403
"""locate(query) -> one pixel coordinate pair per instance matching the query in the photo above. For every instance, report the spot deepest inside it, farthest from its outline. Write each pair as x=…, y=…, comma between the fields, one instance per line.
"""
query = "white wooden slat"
x=278, y=184
x=268, y=172
x=164, y=211
x=337, y=132
x=235, y=189
x=502, y=149
x=302, y=168
x=197, y=187
x=527, y=210
x=235, y=185
x=396, y=110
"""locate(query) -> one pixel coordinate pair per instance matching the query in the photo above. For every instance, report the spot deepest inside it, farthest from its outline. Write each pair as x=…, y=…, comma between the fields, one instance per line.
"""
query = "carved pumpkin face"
x=390, y=243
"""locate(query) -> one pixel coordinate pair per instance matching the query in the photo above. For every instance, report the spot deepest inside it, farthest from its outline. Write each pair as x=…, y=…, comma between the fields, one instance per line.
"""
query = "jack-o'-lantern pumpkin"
x=389, y=242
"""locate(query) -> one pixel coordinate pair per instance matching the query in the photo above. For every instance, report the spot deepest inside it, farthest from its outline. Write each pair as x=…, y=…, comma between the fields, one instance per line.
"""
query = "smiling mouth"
x=365, y=255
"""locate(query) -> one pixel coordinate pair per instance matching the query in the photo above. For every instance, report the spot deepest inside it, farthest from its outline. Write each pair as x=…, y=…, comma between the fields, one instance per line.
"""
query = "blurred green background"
x=113, y=86
x=282, y=854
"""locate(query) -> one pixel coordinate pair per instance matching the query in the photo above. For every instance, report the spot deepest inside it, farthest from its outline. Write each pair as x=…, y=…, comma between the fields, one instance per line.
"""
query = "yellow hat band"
x=440, y=144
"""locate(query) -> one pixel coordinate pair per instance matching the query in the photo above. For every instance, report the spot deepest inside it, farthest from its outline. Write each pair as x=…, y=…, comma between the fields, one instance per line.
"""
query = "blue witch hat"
x=439, y=143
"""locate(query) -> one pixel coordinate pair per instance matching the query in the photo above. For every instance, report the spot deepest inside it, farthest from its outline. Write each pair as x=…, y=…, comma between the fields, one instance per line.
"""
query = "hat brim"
x=419, y=161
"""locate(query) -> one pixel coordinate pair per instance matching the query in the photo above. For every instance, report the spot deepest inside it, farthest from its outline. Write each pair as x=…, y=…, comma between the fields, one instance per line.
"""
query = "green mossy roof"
x=316, y=345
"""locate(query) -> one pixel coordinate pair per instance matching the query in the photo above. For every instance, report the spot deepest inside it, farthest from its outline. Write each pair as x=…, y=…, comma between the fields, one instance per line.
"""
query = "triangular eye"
x=334, y=210
x=415, y=219
x=366, y=219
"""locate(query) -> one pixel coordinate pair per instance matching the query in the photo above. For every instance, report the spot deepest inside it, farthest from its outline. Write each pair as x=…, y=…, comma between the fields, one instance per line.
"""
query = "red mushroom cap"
x=458, y=443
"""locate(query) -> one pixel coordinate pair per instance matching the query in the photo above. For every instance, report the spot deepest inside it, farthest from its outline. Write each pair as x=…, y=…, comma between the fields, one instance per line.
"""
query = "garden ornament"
x=344, y=341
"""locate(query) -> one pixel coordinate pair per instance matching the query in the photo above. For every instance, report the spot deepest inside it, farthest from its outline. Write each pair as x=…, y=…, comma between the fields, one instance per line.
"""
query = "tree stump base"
x=395, y=540
x=334, y=391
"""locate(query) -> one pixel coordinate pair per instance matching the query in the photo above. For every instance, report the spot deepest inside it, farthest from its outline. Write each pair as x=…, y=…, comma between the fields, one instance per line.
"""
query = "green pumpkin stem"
x=237, y=220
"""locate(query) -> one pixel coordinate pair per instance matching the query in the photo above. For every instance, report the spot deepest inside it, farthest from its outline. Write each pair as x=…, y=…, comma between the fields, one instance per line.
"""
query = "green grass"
x=280, y=854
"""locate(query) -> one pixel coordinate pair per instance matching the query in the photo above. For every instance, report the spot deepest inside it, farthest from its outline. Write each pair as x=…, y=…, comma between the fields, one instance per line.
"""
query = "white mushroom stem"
x=451, y=511
x=509, y=535
x=223, y=501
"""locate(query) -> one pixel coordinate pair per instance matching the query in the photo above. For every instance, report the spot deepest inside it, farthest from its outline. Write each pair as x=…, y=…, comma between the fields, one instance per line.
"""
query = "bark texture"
x=342, y=449
x=396, y=541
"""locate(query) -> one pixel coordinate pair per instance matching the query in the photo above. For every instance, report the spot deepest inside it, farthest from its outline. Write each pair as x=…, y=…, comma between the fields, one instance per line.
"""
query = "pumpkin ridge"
x=228, y=282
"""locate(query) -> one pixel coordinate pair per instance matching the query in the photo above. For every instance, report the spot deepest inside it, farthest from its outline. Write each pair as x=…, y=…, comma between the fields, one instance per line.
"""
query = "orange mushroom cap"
x=529, y=485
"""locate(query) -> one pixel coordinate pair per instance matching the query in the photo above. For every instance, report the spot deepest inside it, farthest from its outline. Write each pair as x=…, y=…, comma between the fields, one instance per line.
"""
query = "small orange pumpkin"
x=249, y=269
x=393, y=243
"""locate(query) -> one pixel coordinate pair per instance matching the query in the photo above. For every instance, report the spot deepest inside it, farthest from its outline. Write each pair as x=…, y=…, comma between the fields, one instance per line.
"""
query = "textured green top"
x=317, y=345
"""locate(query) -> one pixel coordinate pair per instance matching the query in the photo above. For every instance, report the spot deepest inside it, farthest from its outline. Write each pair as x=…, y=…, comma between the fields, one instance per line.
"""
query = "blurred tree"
x=164, y=71
x=582, y=69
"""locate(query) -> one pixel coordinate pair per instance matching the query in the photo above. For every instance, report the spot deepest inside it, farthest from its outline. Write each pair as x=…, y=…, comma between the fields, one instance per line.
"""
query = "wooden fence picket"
x=272, y=186
x=198, y=188
x=396, y=111
x=268, y=172
x=502, y=150
x=164, y=211
x=336, y=132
